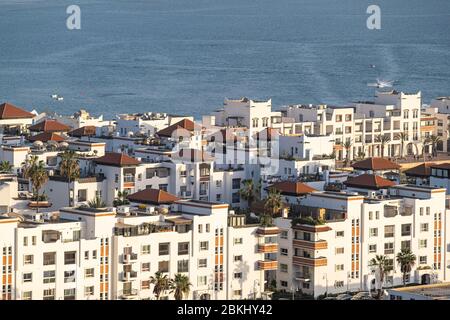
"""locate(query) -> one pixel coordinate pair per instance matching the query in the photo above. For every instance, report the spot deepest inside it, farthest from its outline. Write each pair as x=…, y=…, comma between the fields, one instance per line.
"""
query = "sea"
x=186, y=56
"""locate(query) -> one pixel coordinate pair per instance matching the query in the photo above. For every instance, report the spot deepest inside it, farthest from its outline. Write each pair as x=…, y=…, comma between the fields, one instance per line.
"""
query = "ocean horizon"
x=185, y=57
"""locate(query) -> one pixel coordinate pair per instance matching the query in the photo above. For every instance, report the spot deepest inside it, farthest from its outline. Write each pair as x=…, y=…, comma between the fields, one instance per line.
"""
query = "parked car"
x=329, y=298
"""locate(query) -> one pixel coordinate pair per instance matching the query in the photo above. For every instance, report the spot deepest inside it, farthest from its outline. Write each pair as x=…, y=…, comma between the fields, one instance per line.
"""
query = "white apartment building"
x=334, y=256
x=83, y=253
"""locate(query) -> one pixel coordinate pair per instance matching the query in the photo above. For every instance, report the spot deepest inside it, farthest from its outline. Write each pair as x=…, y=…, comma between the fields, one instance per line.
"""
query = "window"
x=86, y=255
x=207, y=227
x=27, y=277
x=284, y=251
x=422, y=259
x=183, y=266
x=202, y=263
x=339, y=267
x=25, y=241
x=49, y=276
x=164, y=248
x=370, y=215
x=284, y=234
x=236, y=183
x=69, y=276
x=339, y=284
x=339, y=250
x=145, y=267
x=69, y=294
x=389, y=231
x=163, y=266
x=89, y=273
x=94, y=254
x=27, y=295
x=406, y=244
x=145, y=249
x=236, y=197
x=183, y=248
x=283, y=267
x=424, y=227
x=237, y=275
x=338, y=118
x=373, y=232
x=283, y=283
x=377, y=215
x=406, y=229
x=145, y=284
x=202, y=280
x=200, y=228
x=237, y=258
x=89, y=291
x=372, y=248
x=28, y=259
x=238, y=240
x=49, y=294
x=204, y=245
x=49, y=258
x=69, y=257
x=33, y=240
x=339, y=234
x=422, y=243
x=389, y=248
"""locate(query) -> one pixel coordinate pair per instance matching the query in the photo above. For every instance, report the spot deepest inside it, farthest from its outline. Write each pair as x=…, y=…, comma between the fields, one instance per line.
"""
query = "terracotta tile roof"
x=49, y=126
x=441, y=166
x=185, y=124
x=369, y=181
x=117, y=159
x=83, y=131
x=292, y=188
x=375, y=164
x=46, y=136
x=422, y=170
x=152, y=196
x=192, y=155
x=9, y=111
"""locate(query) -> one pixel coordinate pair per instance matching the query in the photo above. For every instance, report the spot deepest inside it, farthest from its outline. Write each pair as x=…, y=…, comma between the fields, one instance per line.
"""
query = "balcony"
x=267, y=231
x=130, y=294
x=267, y=248
x=267, y=265
x=127, y=276
x=303, y=276
x=309, y=261
x=315, y=245
x=129, y=258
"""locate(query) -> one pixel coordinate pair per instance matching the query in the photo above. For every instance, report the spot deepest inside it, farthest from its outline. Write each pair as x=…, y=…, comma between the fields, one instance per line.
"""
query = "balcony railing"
x=316, y=245
x=302, y=276
x=130, y=258
x=310, y=261
x=267, y=265
x=267, y=248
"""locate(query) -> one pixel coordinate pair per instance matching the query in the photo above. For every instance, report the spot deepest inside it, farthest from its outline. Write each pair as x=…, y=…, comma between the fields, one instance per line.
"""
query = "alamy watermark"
x=374, y=20
x=73, y=22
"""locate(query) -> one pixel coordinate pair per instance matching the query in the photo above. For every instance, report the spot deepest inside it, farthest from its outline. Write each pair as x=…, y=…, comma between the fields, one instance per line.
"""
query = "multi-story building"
x=328, y=246
x=86, y=253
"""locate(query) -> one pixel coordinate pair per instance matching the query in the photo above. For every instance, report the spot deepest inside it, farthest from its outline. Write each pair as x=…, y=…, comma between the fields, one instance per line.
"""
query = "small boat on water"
x=54, y=96
x=60, y=98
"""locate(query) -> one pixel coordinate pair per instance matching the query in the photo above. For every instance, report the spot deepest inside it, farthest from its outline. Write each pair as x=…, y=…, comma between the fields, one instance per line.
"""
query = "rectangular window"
x=202, y=280
x=86, y=255
x=422, y=259
x=27, y=277
x=164, y=248
x=339, y=234
x=69, y=276
x=422, y=243
x=339, y=267
x=183, y=266
x=389, y=231
x=204, y=245
x=89, y=273
x=236, y=183
x=145, y=284
x=49, y=276
x=89, y=291
x=163, y=266
x=373, y=232
x=406, y=229
x=237, y=275
x=372, y=248
x=237, y=258
x=238, y=240
x=69, y=294
x=202, y=263
x=339, y=250
x=284, y=252
x=145, y=249
x=70, y=257
x=283, y=267
x=424, y=227
x=49, y=294
x=27, y=295
x=28, y=259
x=389, y=248
x=145, y=267
x=183, y=248
x=49, y=258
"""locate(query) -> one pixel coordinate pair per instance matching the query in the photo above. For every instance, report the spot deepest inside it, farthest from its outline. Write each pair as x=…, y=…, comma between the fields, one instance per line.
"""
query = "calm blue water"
x=185, y=56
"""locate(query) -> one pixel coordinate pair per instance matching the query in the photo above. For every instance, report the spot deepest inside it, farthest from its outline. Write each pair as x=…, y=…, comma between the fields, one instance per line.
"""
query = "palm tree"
x=6, y=167
x=383, y=267
x=34, y=170
x=96, y=203
x=69, y=169
x=406, y=259
x=434, y=141
x=180, y=285
x=249, y=191
x=402, y=136
x=161, y=283
x=272, y=204
x=425, y=142
x=382, y=140
x=121, y=198
x=347, y=146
